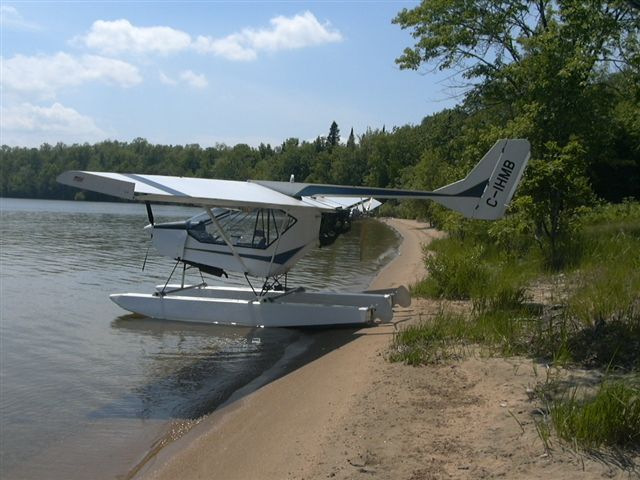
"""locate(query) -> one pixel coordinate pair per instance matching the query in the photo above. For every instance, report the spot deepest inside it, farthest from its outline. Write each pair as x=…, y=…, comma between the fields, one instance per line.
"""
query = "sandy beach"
x=352, y=414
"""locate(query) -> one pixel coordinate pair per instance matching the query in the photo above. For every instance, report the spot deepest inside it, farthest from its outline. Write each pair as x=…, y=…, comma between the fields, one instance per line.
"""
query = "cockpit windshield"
x=257, y=228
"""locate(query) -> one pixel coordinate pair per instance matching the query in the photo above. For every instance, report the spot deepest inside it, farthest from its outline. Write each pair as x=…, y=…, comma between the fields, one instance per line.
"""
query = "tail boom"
x=483, y=194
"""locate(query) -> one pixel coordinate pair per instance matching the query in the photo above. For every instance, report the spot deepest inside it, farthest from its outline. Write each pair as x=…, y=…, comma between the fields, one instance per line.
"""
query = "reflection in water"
x=81, y=390
x=187, y=368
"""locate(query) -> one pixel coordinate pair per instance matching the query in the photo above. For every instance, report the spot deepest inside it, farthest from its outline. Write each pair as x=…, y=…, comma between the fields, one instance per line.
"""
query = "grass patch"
x=447, y=335
x=507, y=295
x=506, y=331
x=455, y=271
x=610, y=418
x=430, y=341
x=608, y=293
x=463, y=270
x=609, y=281
x=605, y=306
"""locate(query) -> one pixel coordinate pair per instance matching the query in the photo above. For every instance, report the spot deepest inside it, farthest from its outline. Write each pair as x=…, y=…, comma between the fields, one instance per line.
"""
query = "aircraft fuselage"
x=261, y=242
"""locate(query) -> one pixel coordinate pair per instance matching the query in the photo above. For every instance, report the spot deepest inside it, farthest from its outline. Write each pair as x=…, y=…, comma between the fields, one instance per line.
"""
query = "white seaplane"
x=262, y=228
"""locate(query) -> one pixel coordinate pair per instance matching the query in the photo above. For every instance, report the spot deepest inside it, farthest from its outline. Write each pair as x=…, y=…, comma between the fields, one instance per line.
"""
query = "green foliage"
x=536, y=49
x=430, y=341
x=351, y=141
x=333, y=139
x=447, y=335
x=453, y=272
x=599, y=323
x=515, y=234
x=559, y=189
x=609, y=282
x=549, y=80
x=503, y=296
x=610, y=418
x=566, y=76
x=505, y=331
x=479, y=268
x=607, y=293
x=624, y=215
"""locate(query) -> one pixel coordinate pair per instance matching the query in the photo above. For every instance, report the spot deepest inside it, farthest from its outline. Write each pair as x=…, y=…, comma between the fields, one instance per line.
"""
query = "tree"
x=541, y=68
x=546, y=60
x=558, y=189
x=265, y=150
x=236, y=163
x=321, y=169
x=320, y=144
x=351, y=142
x=333, y=138
x=482, y=38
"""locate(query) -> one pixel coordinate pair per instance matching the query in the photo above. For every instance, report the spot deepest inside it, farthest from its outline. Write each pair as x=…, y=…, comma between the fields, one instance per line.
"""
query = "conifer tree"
x=320, y=144
x=333, y=138
x=351, y=142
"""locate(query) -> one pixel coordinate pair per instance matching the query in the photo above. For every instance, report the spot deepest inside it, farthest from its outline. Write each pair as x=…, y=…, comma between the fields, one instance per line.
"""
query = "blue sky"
x=206, y=72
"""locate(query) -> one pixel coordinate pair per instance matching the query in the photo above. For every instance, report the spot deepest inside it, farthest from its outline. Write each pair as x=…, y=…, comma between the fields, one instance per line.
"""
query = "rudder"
x=486, y=191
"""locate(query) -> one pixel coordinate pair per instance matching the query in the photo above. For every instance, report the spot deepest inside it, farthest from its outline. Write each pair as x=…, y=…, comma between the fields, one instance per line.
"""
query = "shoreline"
x=351, y=414
x=281, y=421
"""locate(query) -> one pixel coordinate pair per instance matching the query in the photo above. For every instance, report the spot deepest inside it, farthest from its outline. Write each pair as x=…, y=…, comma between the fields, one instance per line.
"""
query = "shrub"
x=455, y=273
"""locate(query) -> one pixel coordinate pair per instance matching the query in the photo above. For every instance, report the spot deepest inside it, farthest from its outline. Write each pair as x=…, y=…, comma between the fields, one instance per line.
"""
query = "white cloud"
x=119, y=36
x=284, y=33
x=299, y=31
x=231, y=47
x=290, y=33
x=167, y=80
x=31, y=125
x=194, y=79
x=47, y=74
x=11, y=18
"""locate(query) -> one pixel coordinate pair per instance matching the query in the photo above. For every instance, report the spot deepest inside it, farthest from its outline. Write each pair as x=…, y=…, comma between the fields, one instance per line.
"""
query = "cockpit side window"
x=257, y=228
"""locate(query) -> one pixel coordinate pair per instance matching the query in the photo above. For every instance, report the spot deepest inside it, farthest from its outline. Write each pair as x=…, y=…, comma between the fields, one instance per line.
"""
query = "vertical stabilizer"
x=486, y=191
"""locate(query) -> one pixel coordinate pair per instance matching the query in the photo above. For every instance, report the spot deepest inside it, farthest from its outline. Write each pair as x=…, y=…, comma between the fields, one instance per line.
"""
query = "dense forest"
x=565, y=75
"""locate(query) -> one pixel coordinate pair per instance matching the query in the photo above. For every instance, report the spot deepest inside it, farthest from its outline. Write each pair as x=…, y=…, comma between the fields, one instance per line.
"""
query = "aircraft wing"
x=185, y=190
x=483, y=194
x=335, y=203
x=344, y=202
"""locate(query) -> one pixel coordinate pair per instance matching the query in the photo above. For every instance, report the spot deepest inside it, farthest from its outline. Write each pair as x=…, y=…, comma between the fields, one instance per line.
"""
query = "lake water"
x=87, y=391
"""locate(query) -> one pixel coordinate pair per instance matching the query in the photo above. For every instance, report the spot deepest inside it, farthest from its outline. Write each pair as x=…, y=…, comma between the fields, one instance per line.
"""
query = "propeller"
x=149, y=212
x=151, y=221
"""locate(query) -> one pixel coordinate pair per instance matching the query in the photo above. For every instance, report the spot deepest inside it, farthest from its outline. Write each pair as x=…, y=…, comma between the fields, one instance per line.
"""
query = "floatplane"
x=262, y=228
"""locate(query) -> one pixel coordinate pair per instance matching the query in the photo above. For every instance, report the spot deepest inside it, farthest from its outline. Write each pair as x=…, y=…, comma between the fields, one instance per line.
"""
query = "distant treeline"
x=423, y=156
x=375, y=158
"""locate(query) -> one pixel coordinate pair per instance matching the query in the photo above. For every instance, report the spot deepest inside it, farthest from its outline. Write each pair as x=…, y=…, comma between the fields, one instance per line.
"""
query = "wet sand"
x=351, y=414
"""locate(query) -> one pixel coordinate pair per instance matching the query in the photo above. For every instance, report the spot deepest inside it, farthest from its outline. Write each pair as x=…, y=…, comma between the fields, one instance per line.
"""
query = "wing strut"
x=223, y=234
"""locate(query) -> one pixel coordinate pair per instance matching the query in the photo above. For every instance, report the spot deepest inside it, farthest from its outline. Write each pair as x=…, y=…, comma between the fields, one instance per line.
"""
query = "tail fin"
x=486, y=191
